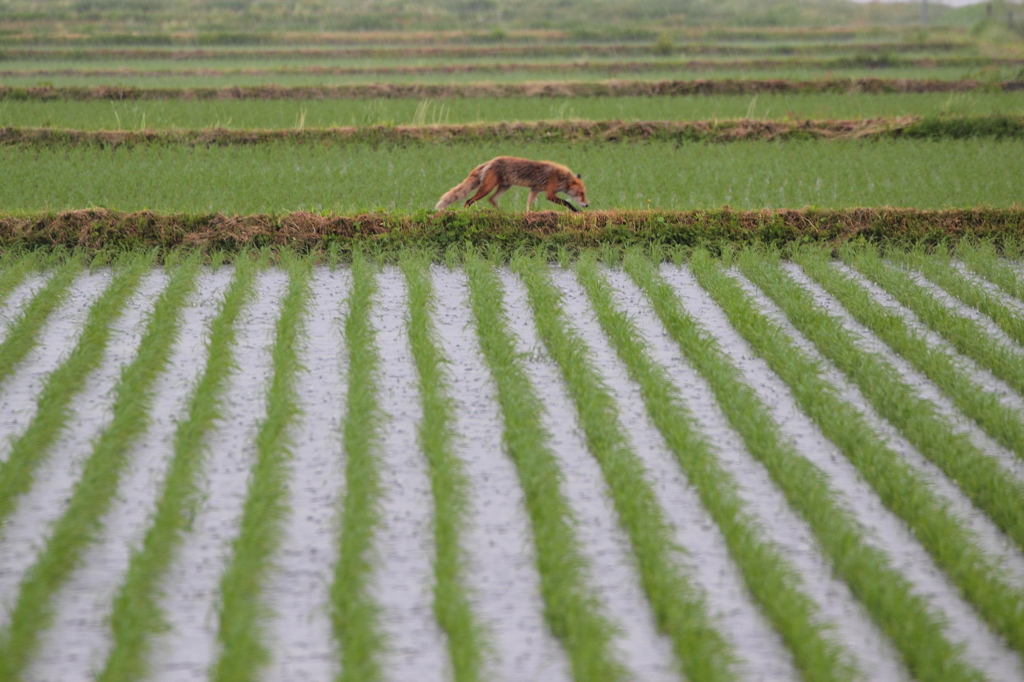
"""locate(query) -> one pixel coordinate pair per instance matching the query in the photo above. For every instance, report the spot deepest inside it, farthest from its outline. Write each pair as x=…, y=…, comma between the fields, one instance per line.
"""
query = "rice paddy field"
x=755, y=414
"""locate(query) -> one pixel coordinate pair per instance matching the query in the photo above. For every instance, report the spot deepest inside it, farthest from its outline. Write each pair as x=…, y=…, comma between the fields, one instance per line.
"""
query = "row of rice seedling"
x=281, y=177
x=570, y=607
x=53, y=404
x=354, y=613
x=981, y=477
x=887, y=595
x=680, y=612
x=967, y=335
x=981, y=259
x=903, y=490
x=137, y=615
x=466, y=640
x=768, y=576
x=244, y=650
x=98, y=483
x=318, y=113
x=22, y=334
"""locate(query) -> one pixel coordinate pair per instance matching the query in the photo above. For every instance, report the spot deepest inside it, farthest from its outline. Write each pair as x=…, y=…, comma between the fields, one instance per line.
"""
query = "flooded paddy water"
x=501, y=570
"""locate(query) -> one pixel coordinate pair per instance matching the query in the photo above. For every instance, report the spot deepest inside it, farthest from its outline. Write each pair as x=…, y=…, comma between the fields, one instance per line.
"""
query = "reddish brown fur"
x=502, y=172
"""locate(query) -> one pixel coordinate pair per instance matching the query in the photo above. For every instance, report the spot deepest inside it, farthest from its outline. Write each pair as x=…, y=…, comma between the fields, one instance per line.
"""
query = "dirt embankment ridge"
x=908, y=127
x=609, y=88
x=95, y=229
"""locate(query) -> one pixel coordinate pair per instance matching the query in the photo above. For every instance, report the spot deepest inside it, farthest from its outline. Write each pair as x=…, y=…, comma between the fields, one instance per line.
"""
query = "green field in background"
x=280, y=177
x=240, y=114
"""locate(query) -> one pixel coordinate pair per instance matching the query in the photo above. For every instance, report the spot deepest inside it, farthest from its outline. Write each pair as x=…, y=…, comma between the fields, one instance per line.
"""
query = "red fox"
x=504, y=171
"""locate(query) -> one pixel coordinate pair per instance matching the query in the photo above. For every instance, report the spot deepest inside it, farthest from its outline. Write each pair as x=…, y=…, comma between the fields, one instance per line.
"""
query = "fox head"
x=576, y=190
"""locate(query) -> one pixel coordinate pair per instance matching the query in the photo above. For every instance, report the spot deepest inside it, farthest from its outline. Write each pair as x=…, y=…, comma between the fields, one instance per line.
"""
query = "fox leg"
x=501, y=190
x=554, y=198
x=531, y=199
x=490, y=181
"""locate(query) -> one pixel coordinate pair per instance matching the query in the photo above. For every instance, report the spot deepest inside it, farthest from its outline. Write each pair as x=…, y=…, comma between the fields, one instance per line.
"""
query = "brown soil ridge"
x=560, y=131
x=606, y=88
x=464, y=51
x=95, y=229
x=521, y=67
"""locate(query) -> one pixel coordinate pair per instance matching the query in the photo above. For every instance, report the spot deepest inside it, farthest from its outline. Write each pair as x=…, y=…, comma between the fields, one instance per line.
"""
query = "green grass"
x=63, y=384
x=679, y=608
x=903, y=490
x=240, y=633
x=244, y=114
x=23, y=331
x=570, y=606
x=95, y=489
x=279, y=177
x=466, y=638
x=136, y=615
x=966, y=335
x=354, y=613
x=886, y=594
x=771, y=580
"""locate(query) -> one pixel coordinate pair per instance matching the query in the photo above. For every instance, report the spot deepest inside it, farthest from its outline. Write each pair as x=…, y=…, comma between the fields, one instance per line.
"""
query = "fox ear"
x=579, y=177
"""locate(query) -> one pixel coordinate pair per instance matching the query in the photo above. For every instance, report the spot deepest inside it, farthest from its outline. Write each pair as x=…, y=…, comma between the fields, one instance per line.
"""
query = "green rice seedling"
x=772, y=582
x=136, y=615
x=282, y=176
x=466, y=639
x=981, y=259
x=98, y=483
x=967, y=336
x=900, y=487
x=570, y=607
x=23, y=331
x=886, y=594
x=1001, y=422
x=939, y=270
x=678, y=606
x=240, y=631
x=14, y=266
x=63, y=384
x=980, y=477
x=354, y=613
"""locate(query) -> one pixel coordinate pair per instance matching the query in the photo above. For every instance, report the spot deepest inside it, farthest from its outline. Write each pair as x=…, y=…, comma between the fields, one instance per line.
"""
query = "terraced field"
x=738, y=469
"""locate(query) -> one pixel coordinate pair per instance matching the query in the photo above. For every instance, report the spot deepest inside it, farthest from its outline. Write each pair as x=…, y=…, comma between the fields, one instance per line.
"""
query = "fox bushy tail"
x=463, y=189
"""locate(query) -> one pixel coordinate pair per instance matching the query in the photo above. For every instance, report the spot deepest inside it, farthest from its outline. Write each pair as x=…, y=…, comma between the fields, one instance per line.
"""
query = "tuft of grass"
x=98, y=484
x=888, y=596
x=572, y=611
x=63, y=384
x=678, y=606
x=771, y=580
x=903, y=490
x=240, y=630
x=354, y=614
x=448, y=483
x=23, y=331
x=14, y=266
x=136, y=614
